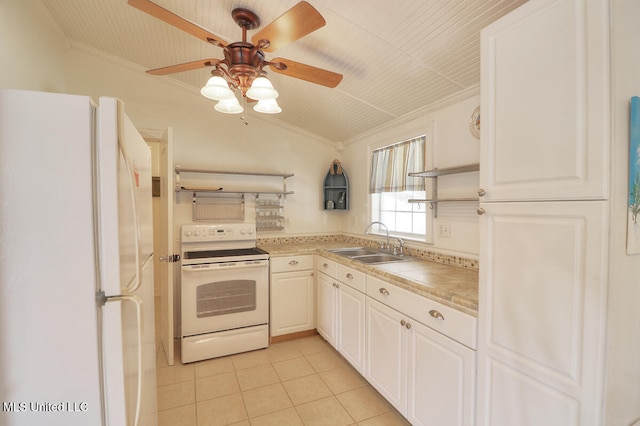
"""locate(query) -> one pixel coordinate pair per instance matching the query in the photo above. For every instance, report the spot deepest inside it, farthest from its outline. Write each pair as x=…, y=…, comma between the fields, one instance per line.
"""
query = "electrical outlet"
x=444, y=229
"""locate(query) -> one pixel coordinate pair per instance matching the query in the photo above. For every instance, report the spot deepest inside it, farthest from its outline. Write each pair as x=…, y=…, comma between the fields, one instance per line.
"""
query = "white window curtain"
x=390, y=167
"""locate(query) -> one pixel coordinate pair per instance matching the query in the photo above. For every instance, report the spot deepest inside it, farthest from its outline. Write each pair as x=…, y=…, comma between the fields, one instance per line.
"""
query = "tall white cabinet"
x=544, y=185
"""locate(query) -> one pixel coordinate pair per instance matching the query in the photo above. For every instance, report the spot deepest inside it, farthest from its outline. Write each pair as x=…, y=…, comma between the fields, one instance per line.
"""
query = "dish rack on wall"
x=269, y=215
x=213, y=202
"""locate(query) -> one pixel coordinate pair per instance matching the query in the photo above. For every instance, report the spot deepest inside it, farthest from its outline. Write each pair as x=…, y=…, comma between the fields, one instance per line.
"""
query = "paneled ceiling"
x=396, y=56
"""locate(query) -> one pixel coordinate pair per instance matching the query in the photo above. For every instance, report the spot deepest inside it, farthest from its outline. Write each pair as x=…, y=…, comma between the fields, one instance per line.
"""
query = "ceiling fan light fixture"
x=217, y=89
x=229, y=106
x=262, y=90
x=269, y=106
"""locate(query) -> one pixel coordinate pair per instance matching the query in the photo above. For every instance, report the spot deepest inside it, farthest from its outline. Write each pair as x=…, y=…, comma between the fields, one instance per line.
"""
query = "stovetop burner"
x=220, y=243
x=204, y=254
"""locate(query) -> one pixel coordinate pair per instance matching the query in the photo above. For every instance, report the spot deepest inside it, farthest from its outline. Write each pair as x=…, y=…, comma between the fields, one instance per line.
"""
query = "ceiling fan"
x=243, y=65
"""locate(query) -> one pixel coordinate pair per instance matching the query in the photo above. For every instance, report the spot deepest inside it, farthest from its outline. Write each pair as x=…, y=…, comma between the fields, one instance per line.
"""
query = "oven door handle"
x=224, y=266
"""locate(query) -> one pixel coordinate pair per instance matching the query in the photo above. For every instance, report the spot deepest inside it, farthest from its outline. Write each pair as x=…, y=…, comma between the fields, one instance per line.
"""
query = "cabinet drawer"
x=327, y=266
x=291, y=263
x=448, y=321
x=352, y=278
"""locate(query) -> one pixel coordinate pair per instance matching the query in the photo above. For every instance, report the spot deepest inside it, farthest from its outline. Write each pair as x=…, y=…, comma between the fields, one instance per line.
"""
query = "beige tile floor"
x=299, y=382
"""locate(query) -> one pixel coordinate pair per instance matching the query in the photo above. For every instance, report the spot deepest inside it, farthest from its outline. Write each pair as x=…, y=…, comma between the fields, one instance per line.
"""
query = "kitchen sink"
x=380, y=258
x=370, y=255
x=355, y=251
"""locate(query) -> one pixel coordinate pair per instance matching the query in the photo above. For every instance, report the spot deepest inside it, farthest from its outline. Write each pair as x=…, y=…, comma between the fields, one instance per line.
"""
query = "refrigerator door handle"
x=138, y=303
x=138, y=279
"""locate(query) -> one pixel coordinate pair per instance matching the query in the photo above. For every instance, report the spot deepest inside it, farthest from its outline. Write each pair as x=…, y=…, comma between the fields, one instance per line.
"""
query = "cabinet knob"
x=293, y=263
x=403, y=323
x=481, y=211
x=481, y=192
x=436, y=314
x=384, y=291
x=408, y=325
x=325, y=265
x=349, y=276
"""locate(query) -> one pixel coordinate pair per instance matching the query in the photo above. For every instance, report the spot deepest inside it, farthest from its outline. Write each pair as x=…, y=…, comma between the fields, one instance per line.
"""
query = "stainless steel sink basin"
x=370, y=255
x=354, y=251
x=380, y=258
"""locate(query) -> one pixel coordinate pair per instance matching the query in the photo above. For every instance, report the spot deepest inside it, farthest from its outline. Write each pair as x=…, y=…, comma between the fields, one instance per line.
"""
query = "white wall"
x=623, y=347
x=31, y=47
x=451, y=144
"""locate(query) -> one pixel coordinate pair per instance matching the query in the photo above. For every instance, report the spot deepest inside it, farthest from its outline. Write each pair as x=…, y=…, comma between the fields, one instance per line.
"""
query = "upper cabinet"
x=545, y=103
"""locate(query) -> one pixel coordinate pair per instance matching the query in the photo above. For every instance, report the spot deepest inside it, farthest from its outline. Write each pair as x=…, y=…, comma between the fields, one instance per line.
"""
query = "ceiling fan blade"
x=297, y=22
x=187, y=66
x=177, y=21
x=307, y=72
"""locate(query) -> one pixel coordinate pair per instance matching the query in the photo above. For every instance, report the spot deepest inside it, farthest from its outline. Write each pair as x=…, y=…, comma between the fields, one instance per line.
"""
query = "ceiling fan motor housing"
x=244, y=63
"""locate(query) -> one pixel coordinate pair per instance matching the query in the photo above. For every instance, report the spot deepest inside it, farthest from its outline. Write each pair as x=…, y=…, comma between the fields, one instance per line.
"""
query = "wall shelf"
x=434, y=174
x=269, y=210
x=336, y=188
x=219, y=190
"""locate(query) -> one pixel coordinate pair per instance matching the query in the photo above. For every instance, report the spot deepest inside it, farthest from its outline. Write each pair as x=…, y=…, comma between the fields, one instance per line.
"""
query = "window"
x=391, y=188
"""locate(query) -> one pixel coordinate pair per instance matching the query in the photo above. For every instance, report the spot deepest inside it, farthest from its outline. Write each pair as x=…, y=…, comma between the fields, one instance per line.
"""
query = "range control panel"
x=218, y=232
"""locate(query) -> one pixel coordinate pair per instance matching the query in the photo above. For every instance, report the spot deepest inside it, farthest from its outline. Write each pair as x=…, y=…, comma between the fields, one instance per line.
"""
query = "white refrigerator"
x=77, y=341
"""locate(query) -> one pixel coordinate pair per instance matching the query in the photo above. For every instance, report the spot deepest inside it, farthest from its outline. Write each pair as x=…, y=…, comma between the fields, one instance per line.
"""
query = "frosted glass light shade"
x=229, y=106
x=262, y=90
x=268, y=107
x=217, y=89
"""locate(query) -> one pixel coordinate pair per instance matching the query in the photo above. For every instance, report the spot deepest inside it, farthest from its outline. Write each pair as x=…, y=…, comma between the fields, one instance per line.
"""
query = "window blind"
x=390, y=166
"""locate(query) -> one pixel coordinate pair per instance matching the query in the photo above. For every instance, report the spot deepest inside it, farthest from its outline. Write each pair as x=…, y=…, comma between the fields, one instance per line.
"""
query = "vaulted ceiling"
x=396, y=56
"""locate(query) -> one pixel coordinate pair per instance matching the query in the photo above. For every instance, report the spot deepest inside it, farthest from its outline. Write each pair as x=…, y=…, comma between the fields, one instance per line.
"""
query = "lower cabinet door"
x=292, y=307
x=326, y=307
x=386, y=366
x=440, y=379
x=350, y=324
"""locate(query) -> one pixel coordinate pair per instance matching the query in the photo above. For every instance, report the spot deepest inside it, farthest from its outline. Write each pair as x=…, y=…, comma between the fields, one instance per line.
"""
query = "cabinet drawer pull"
x=384, y=291
x=436, y=314
x=293, y=263
x=350, y=276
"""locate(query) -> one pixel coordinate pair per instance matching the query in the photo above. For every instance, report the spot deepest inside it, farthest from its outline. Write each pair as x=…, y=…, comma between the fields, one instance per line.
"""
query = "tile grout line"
x=303, y=354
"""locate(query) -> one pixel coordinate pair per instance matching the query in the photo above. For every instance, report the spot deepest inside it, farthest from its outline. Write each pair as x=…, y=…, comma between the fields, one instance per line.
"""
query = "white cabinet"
x=292, y=295
x=425, y=375
x=386, y=365
x=542, y=290
x=351, y=325
x=543, y=293
x=545, y=102
x=326, y=306
x=440, y=387
x=341, y=310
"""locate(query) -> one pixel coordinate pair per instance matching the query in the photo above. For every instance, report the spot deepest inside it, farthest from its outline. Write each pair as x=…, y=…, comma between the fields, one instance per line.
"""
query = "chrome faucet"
x=366, y=232
x=399, y=249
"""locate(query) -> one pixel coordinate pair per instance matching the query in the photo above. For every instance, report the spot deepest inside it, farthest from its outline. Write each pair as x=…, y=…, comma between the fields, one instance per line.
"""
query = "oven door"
x=224, y=296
